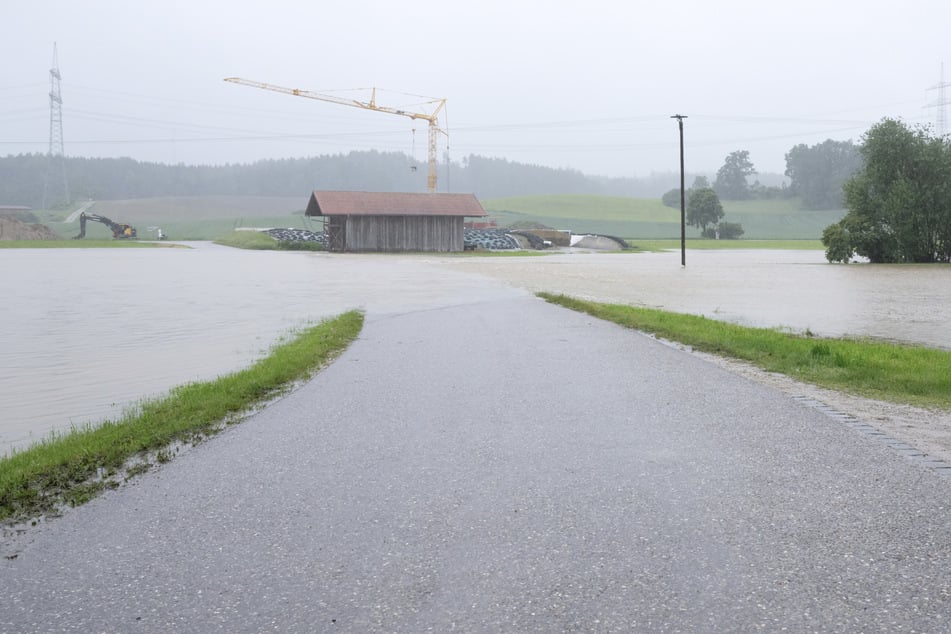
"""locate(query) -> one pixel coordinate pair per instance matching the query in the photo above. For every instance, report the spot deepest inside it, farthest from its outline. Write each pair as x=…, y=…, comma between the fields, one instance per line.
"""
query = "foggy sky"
x=582, y=85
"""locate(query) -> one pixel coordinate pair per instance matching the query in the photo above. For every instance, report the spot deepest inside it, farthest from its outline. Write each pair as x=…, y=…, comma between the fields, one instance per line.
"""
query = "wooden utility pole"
x=683, y=193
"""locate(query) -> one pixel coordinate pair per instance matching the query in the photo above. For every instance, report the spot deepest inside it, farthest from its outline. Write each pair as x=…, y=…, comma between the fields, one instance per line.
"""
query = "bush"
x=672, y=198
x=730, y=230
x=724, y=231
x=838, y=244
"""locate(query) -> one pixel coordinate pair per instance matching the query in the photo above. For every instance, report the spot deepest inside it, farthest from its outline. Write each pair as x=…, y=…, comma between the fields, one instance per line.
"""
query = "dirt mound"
x=604, y=243
x=13, y=229
x=557, y=238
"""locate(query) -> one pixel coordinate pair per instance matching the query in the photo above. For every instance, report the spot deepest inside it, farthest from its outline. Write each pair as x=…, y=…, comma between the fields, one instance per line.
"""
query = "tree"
x=764, y=192
x=899, y=203
x=700, y=182
x=671, y=198
x=817, y=173
x=704, y=208
x=731, y=178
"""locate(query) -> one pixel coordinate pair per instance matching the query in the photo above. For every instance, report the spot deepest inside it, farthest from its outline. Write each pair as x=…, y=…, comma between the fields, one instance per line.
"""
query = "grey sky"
x=586, y=85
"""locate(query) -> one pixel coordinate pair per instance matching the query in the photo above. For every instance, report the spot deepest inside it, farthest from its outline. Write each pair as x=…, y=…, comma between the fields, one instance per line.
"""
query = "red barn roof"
x=337, y=203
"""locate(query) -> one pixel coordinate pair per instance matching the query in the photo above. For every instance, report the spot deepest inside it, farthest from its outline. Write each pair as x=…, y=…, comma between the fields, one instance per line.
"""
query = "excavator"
x=119, y=230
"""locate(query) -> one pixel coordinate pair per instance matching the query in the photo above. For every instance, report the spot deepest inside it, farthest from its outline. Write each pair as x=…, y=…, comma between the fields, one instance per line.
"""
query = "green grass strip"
x=65, y=468
x=85, y=244
x=260, y=241
x=712, y=245
x=891, y=372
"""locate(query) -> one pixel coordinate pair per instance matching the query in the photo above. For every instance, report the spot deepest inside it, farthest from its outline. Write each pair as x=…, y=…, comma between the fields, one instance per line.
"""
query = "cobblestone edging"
x=912, y=453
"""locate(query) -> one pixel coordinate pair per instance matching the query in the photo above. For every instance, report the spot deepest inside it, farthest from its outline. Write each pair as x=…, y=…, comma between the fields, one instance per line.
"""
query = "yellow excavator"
x=119, y=230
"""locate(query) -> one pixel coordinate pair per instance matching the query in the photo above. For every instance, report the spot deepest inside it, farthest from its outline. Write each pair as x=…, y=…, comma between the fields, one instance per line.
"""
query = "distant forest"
x=23, y=178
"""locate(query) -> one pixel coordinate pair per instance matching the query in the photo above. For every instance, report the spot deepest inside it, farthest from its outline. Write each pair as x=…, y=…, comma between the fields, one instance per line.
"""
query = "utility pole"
x=683, y=193
x=56, y=157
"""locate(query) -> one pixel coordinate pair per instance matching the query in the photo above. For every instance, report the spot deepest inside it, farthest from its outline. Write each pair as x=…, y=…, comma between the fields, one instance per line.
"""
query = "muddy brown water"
x=86, y=333
x=790, y=289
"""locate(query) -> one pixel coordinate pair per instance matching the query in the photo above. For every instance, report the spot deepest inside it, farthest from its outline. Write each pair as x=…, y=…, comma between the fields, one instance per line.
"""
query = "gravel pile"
x=14, y=229
x=535, y=241
x=297, y=235
x=495, y=239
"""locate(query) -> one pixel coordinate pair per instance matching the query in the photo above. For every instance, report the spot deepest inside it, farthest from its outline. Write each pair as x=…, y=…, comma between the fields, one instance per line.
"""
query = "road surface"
x=506, y=466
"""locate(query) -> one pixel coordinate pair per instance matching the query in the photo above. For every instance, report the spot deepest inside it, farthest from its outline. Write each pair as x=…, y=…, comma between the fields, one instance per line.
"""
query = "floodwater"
x=795, y=290
x=86, y=333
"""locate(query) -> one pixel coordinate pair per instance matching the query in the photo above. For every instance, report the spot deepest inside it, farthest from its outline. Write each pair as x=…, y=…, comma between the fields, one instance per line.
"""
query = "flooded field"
x=797, y=290
x=84, y=333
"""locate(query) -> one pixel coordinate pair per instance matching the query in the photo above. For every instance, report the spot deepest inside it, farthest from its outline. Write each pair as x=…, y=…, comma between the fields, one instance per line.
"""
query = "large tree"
x=817, y=173
x=899, y=203
x=704, y=208
x=731, y=183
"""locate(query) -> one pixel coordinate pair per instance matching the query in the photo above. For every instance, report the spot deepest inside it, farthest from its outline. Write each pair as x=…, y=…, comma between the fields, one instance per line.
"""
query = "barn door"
x=337, y=234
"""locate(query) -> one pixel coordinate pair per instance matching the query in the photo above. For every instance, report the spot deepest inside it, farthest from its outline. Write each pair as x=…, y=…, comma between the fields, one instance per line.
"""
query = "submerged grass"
x=84, y=244
x=892, y=372
x=71, y=468
x=258, y=240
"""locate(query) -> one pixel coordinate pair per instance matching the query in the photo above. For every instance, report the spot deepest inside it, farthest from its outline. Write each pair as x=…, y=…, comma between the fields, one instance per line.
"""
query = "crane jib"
x=434, y=129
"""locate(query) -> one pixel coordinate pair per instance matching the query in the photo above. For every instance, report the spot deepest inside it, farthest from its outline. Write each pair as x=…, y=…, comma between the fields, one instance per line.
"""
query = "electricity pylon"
x=941, y=118
x=56, y=156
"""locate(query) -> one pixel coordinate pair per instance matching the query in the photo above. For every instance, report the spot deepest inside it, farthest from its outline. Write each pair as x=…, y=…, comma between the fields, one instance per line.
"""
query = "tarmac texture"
x=506, y=466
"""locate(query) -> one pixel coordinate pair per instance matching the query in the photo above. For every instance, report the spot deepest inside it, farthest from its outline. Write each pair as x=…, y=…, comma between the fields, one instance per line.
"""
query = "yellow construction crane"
x=434, y=128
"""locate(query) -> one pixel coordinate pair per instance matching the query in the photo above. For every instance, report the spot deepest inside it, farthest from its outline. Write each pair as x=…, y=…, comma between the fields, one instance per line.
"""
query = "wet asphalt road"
x=506, y=466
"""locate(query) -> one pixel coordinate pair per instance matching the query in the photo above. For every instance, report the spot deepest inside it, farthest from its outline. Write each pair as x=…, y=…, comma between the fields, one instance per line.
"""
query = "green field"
x=187, y=217
x=701, y=243
x=646, y=219
x=638, y=219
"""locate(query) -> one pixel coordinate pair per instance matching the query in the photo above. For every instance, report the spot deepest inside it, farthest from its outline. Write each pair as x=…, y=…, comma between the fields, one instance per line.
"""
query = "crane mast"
x=431, y=119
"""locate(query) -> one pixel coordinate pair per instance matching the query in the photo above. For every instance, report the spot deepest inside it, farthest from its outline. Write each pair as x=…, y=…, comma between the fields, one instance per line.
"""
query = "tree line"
x=25, y=177
x=895, y=186
x=816, y=175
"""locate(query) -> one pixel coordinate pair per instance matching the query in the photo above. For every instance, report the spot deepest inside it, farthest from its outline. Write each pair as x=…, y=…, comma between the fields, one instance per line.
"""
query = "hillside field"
x=642, y=218
x=210, y=217
x=190, y=217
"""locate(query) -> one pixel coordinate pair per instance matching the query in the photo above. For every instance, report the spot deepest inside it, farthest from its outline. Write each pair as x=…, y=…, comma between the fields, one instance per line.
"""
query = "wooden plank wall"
x=404, y=233
x=336, y=233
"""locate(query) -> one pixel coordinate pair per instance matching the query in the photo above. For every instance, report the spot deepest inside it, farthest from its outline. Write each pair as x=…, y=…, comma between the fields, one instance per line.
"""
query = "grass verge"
x=892, y=372
x=85, y=244
x=258, y=240
x=71, y=468
x=674, y=245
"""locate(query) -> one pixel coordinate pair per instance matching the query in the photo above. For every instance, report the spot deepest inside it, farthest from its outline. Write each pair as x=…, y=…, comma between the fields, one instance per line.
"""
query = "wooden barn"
x=381, y=221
